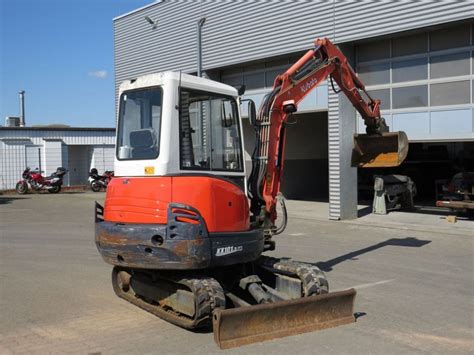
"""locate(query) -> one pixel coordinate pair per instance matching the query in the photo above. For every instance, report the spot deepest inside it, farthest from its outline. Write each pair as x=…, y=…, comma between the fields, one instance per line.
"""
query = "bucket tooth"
x=379, y=151
x=245, y=325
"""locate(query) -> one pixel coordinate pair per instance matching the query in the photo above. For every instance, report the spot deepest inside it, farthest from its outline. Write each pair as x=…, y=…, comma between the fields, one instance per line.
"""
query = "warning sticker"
x=149, y=170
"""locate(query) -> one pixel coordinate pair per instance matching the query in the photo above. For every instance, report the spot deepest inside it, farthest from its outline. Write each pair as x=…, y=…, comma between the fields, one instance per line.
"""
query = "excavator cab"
x=382, y=150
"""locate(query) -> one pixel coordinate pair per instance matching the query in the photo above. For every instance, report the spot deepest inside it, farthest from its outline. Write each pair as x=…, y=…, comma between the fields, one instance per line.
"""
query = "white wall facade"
x=77, y=150
x=13, y=161
x=103, y=157
x=52, y=157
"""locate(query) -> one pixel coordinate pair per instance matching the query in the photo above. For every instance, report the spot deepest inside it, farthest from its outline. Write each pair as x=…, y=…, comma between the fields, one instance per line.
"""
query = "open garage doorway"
x=306, y=158
x=305, y=174
x=431, y=166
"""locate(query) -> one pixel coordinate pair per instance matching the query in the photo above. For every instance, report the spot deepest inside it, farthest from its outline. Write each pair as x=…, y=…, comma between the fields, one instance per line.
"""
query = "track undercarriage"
x=224, y=296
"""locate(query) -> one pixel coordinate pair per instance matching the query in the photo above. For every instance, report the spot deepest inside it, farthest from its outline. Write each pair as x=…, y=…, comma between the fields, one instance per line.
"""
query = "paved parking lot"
x=415, y=288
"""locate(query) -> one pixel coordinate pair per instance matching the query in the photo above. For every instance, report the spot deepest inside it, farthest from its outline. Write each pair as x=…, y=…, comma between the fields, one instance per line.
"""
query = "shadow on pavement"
x=364, y=211
x=7, y=200
x=358, y=315
x=399, y=242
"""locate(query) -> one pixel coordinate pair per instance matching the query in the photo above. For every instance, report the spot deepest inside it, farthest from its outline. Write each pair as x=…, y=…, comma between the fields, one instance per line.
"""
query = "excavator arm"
x=377, y=148
x=323, y=61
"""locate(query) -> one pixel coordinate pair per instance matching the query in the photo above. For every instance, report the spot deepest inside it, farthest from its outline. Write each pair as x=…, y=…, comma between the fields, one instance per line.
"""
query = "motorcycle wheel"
x=95, y=186
x=54, y=189
x=21, y=188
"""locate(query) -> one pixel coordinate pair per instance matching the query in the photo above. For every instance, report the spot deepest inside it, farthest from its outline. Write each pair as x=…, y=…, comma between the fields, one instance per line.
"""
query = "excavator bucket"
x=245, y=325
x=379, y=151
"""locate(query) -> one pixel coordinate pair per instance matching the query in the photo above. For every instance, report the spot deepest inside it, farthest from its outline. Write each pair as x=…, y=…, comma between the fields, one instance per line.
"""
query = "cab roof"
x=188, y=81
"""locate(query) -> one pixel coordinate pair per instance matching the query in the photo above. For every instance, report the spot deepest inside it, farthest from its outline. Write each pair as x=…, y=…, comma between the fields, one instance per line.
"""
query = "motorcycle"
x=97, y=182
x=34, y=180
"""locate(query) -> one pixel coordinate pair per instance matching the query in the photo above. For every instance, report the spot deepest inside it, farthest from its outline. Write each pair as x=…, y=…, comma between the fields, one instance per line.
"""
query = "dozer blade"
x=379, y=151
x=245, y=325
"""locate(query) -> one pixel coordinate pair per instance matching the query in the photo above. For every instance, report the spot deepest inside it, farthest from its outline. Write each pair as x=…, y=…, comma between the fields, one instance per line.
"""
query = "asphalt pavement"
x=415, y=286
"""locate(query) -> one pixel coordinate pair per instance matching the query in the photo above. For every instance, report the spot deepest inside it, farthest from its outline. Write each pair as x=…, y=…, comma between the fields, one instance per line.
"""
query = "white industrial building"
x=416, y=56
x=46, y=148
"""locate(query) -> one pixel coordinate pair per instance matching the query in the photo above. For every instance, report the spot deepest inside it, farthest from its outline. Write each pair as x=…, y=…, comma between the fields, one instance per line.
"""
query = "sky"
x=61, y=53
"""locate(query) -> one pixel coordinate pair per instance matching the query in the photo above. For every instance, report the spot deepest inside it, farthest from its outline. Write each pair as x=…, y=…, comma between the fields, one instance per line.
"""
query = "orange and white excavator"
x=186, y=231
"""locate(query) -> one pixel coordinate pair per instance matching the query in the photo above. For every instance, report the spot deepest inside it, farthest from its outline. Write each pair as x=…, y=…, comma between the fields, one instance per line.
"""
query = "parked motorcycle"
x=97, y=182
x=34, y=180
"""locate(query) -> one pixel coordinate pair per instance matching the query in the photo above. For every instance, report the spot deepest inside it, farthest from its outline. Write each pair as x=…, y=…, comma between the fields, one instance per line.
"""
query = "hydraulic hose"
x=282, y=227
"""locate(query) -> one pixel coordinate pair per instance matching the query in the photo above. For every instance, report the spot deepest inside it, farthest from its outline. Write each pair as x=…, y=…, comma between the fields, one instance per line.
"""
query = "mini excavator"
x=186, y=231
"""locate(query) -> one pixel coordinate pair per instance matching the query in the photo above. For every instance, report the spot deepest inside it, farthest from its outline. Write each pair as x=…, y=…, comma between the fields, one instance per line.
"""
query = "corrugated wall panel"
x=342, y=177
x=33, y=157
x=234, y=32
x=53, y=157
x=103, y=158
x=263, y=29
x=65, y=160
x=68, y=137
x=242, y=31
x=333, y=156
x=13, y=162
x=2, y=175
x=364, y=19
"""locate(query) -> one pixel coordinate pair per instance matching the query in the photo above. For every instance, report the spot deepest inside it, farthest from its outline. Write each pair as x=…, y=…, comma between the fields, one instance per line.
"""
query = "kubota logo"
x=308, y=85
x=228, y=250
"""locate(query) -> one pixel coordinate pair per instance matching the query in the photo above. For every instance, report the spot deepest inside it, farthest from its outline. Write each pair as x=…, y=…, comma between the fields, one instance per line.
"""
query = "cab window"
x=139, y=124
x=209, y=132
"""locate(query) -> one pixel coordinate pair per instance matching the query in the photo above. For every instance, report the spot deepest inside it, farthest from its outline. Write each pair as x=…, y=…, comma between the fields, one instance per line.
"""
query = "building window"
x=410, y=70
x=270, y=77
x=455, y=93
x=410, y=96
x=384, y=97
x=373, y=51
x=375, y=74
x=421, y=70
x=449, y=65
x=256, y=76
x=254, y=81
x=233, y=80
x=448, y=38
x=408, y=45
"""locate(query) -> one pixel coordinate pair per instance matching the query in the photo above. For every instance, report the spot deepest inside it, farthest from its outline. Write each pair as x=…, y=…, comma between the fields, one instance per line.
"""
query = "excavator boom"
x=377, y=148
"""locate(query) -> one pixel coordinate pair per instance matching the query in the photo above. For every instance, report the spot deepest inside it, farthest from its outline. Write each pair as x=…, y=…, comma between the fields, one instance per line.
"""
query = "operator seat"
x=144, y=143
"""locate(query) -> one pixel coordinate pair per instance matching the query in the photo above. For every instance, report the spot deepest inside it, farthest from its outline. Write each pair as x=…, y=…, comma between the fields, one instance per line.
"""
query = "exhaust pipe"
x=22, y=108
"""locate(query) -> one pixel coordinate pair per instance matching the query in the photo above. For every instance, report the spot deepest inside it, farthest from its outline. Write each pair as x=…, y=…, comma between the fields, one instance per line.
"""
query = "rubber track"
x=314, y=280
x=208, y=295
